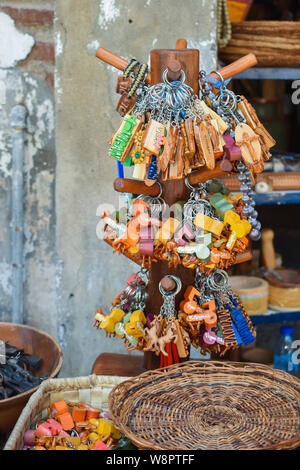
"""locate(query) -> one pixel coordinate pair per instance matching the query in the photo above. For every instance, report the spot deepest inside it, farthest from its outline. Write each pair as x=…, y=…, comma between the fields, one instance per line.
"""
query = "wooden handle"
x=203, y=175
x=126, y=185
x=267, y=249
x=238, y=66
x=114, y=60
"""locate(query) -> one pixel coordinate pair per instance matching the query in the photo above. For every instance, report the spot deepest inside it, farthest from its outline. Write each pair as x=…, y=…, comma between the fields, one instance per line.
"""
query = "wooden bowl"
x=35, y=342
x=253, y=292
x=284, y=289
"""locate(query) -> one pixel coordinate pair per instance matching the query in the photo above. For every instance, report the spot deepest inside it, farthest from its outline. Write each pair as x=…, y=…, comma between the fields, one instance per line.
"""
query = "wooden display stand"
x=173, y=190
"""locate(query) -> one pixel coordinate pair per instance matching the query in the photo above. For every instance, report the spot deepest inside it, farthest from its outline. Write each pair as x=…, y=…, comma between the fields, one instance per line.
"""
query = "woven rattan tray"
x=209, y=405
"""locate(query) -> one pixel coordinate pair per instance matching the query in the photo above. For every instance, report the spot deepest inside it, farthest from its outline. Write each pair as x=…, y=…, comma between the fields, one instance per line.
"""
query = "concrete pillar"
x=89, y=275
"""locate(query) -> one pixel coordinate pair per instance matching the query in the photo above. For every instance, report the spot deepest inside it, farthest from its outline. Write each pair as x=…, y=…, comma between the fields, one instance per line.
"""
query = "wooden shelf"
x=275, y=317
x=269, y=73
x=281, y=181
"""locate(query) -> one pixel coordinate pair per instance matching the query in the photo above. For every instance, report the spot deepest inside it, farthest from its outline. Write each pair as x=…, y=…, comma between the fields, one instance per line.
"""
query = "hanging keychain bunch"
x=213, y=315
x=168, y=132
x=136, y=237
x=208, y=231
x=165, y=334
x=160, y=333
x=127, y=317
x=247, y=141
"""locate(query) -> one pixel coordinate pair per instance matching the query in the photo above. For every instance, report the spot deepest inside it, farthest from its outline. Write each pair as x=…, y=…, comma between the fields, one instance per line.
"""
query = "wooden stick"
x=238, y=66
x=203, y=175
x=127, y=185
x=114, y=60
x=174, y=70
x=229, y=71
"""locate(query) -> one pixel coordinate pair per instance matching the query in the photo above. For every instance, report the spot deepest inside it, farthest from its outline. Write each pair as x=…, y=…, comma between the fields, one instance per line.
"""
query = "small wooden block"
x=209, y=224
x=61, y=407
x=66, y=421
x=78, y=414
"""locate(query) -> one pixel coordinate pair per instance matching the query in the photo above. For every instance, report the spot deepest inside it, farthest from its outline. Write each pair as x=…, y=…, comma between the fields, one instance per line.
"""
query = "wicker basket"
x=93, y=390
x=209, y=405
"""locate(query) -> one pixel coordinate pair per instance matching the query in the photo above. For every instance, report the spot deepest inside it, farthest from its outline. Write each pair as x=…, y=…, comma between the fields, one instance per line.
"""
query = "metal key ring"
x=171, y=293
x=216, y=284
x=221, y=77
x=165, y=77
x=188, y=185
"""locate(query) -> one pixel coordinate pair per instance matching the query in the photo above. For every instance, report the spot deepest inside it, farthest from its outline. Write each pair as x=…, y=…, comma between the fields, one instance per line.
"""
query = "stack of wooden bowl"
x=253, y=292
x=275, y=43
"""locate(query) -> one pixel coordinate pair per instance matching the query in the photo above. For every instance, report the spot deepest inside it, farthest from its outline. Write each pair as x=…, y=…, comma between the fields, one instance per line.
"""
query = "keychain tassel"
x=174, y=353
x=242, y=326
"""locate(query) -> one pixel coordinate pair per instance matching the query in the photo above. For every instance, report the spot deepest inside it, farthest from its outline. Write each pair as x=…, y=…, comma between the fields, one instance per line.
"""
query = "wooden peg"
x=174, y=69
x=205, y=174
x=160, y=59
x=181, y=44
x=238, y=66
x=126, y=185
x=114, y=60
x=268, y=252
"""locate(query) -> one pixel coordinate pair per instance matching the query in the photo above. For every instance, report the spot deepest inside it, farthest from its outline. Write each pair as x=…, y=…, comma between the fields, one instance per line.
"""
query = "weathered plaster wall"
x=89, y=275
x=25, y=77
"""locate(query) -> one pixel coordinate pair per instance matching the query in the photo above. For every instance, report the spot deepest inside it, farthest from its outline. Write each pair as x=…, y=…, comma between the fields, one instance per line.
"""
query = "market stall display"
x=182, y=227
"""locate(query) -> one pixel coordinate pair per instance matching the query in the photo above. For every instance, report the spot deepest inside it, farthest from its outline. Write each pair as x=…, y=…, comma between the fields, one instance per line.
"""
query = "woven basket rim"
x=142, y=443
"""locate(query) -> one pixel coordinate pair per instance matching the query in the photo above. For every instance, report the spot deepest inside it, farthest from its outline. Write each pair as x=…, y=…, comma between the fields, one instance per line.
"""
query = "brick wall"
x=36, y=18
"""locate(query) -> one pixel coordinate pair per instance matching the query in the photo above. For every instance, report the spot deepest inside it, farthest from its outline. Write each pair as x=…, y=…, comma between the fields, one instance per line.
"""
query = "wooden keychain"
x=165, y=335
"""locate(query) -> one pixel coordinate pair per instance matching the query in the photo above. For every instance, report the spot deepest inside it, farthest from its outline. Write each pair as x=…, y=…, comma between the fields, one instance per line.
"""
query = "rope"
x=224, y=25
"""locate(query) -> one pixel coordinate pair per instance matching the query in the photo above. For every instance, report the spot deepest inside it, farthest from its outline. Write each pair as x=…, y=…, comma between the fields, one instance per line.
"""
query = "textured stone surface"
x=14, y=45
x=89, y=275
x=27, y=81
x=39, y=209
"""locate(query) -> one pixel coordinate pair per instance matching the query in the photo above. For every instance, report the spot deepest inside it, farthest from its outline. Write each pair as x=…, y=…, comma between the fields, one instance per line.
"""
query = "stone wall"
x=27, y=77
x=91, y=275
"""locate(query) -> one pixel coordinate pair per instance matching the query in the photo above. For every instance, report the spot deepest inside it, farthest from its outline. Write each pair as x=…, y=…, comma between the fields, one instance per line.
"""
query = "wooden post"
x=172, y=190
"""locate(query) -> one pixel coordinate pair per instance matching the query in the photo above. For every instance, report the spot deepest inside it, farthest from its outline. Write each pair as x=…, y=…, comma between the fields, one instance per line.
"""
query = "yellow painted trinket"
x=106, y=426
x=167, y=230
x=239, y=227
x=207, y=223
x=83, y=447
x=94, y=436
x=115, y=316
